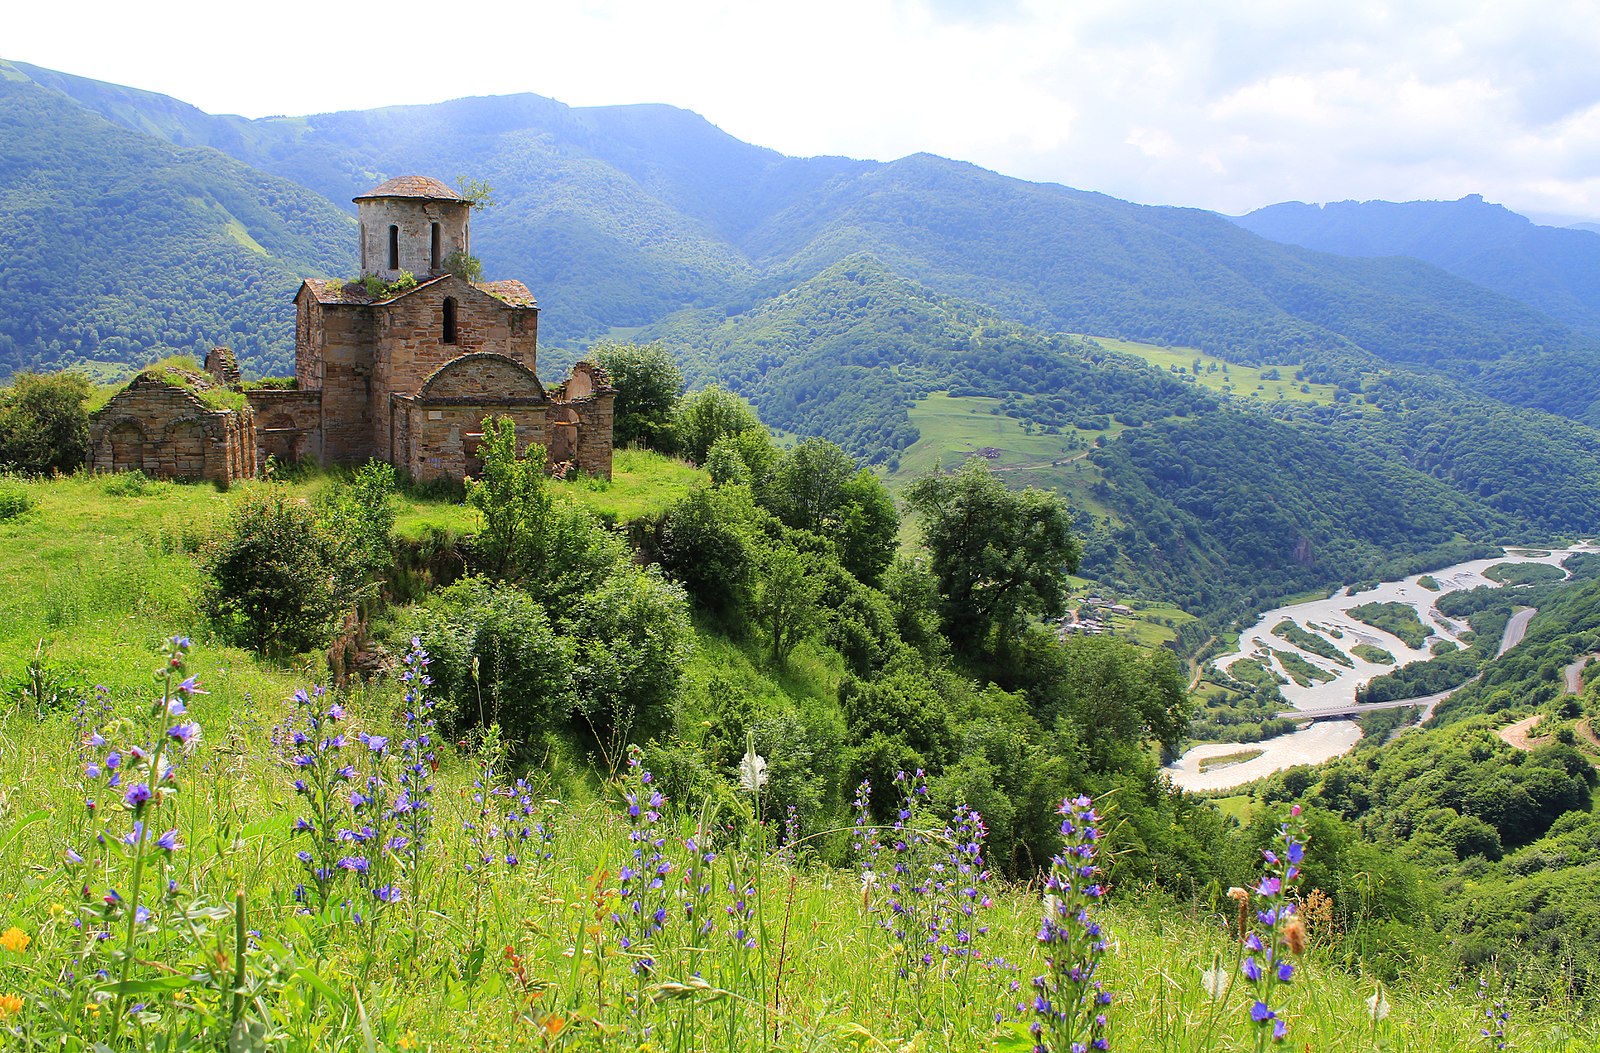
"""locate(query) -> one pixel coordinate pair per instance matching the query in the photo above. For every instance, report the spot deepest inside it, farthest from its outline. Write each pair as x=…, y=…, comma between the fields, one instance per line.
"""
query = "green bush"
x=128, y=484
x=14, y=499
x=496, y=659
x=43, y=425
x=272, y=577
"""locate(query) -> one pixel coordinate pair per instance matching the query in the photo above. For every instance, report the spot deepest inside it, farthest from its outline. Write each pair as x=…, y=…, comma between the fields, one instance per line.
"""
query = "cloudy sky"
x=1222, y=104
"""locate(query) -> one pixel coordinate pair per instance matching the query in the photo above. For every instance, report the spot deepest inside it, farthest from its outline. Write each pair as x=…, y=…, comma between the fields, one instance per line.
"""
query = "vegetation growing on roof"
x=186, y=372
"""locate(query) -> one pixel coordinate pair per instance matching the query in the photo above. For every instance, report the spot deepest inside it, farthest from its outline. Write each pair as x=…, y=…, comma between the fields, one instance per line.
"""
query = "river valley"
x=1326, y=627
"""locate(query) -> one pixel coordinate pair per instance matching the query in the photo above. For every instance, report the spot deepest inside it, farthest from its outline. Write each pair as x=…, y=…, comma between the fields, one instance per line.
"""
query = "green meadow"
x=1269, y=383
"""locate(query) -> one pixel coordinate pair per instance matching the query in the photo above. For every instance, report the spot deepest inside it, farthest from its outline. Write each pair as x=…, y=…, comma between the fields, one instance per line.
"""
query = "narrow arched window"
x=434, y=259
x=394, y=248
x=449, y=319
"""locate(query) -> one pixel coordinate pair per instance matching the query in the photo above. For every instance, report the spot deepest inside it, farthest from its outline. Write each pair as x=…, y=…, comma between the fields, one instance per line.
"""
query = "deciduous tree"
x=998, y=554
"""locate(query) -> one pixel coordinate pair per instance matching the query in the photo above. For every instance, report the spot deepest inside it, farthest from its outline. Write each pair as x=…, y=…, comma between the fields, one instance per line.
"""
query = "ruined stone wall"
x=308, y=341
x=343, y=338
x=595, y=416
x=288, y=424
x=166, y=432
x=410, y=345
x=441, y=440
x=581, y=420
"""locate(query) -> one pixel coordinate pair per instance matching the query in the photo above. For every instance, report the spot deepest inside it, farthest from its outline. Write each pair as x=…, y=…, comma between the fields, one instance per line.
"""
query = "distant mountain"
x=618, y=216
x=120, y=247
x=1555, y=270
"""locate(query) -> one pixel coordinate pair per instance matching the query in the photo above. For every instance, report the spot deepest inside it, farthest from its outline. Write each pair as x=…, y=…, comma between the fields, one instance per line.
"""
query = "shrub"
x=14, y=499
x=43, y=425
x=128, y=484
x=496, y=659
x=632, y=638
x=272, y=578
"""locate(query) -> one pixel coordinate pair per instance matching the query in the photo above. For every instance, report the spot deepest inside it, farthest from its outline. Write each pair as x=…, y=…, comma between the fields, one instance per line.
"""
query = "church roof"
x=412, y=186
x=510, y=292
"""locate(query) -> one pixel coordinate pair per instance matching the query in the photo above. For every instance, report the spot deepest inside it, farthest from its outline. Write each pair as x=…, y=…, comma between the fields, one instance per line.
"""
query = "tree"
x=997, y=554
x=711, y=414
x=810, y=482
x=513, y=496
x=867, y=528
x=649, y=384
x=784, y=600
x=43, y=426
x=707, y=542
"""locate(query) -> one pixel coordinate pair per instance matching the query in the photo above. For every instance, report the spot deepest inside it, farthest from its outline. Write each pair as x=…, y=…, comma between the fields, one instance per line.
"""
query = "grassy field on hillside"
x=1241, y=381
x=509, y=913
x=953, y=429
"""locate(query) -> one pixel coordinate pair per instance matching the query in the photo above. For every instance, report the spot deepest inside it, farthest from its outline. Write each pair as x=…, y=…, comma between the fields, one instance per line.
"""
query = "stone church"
x=405, y=364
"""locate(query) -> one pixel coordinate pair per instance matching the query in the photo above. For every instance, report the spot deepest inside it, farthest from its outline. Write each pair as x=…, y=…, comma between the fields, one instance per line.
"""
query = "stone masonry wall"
x=595, y=418
x=410, y=344
x=415, y=218
x=442, y=439
x=167, y=433
x=349, y=385
x=288, y=424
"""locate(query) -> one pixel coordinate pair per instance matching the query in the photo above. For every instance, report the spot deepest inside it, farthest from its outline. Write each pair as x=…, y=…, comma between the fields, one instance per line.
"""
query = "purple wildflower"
x=1069, y=1008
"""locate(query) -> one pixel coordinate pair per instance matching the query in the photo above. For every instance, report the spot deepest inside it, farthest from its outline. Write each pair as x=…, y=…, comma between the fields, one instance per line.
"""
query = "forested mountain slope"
x=618, y=216
x=1554, y=270
x=117, y=246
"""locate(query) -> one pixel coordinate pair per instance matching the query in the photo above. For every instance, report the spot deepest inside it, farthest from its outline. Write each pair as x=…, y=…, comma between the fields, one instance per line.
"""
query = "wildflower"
x=1069, y=1006
x=1377, y=1004
x=10, y=1005
x=1496, y=1015
x=869, y=881
x=168, y=841
x=1264, y=966
x=15, y=940
x=136, y=797
x=641, y=884
x=1216, y=980
x=752, y=769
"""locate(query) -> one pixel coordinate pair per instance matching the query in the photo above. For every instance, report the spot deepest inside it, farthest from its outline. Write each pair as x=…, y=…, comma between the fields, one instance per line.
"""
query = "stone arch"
x=563, y=444
x=471, y=375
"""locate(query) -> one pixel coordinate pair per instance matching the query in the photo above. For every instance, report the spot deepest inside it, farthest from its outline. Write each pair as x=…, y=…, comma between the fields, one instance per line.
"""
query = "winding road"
x=1516, y=629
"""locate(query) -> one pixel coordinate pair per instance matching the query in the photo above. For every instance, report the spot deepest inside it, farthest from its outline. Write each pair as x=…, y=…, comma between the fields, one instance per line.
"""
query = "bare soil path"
x=1516, y=735
x=1574, y=674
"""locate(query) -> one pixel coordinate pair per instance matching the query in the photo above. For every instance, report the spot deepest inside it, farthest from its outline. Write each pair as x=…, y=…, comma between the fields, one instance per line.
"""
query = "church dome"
x=412, y=186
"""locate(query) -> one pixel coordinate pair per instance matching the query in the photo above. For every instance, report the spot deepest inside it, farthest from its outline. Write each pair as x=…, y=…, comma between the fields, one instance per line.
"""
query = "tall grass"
x=750, y=947
x=508, y=930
